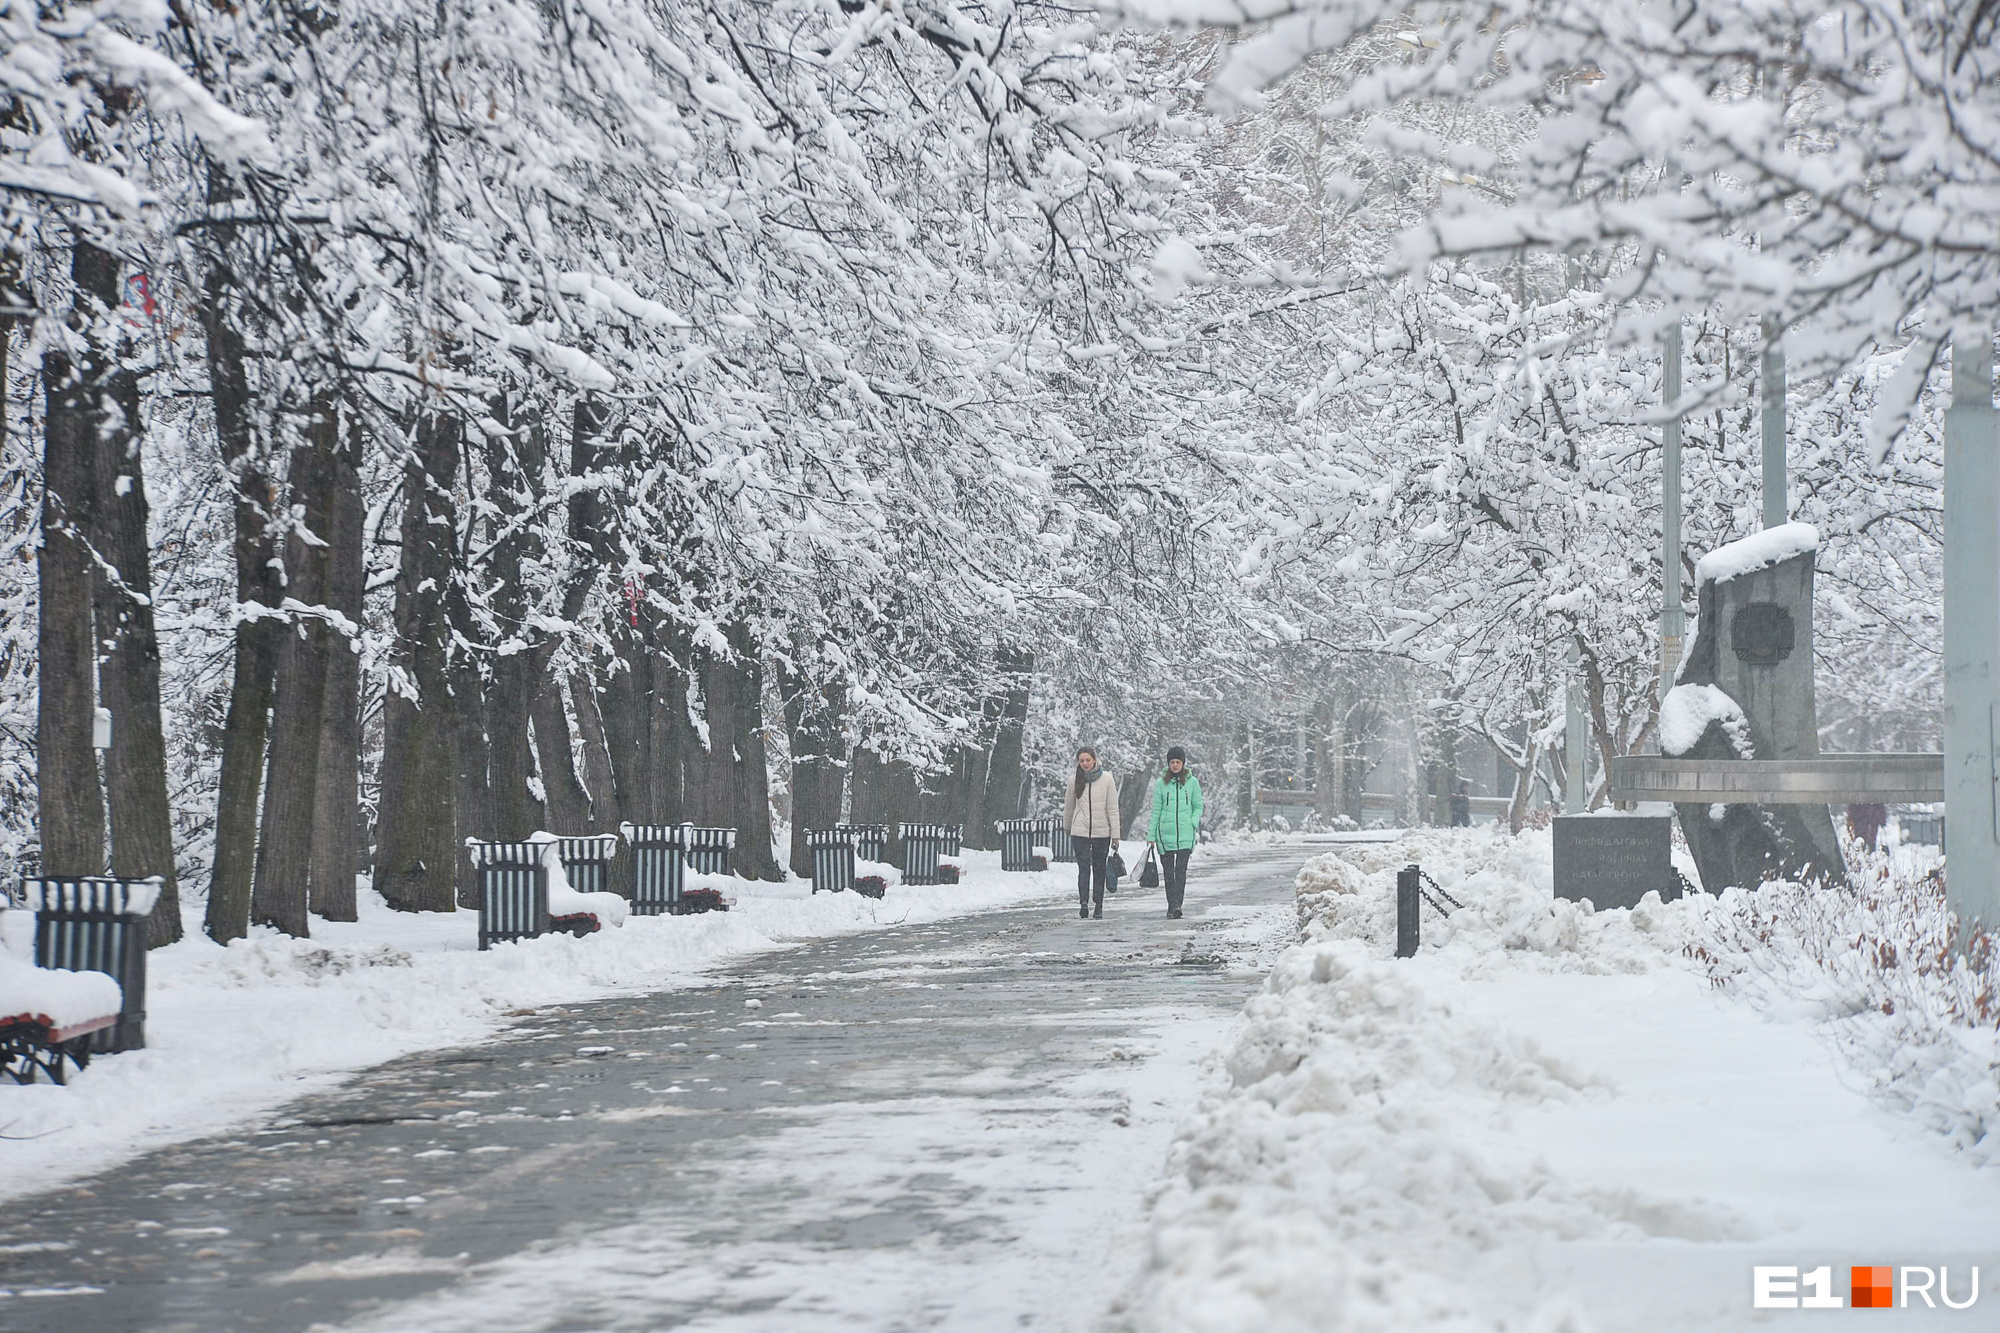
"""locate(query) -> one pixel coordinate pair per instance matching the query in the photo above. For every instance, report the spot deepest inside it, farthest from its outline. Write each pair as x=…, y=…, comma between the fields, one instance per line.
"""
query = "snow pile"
x=1686, y=713
x=53, y=998
x=232, y=1033
x=1760, y=550
x=564, y=898
x=1511, y=918
x=1877, y=970
x=881, y=870
x=1354, y=1172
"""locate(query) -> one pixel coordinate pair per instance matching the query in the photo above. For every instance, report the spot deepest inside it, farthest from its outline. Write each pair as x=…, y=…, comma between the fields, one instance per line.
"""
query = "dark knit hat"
x=1176, y=752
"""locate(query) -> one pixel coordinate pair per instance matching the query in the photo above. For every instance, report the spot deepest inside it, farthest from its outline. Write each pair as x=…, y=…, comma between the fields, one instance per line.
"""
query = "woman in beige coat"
x=1090, y=813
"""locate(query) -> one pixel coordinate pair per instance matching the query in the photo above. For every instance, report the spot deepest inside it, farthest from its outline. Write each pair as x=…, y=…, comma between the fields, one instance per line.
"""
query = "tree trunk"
x=416, y=847
x=255, y=647
x=1524, y=789
x=70, y=799
x=672, y=741
x=568, y=804
x=1001, y=798
x=513, y=465
x=813, y=721
x=751, y=782
x=337, y=837
x=598, y=781
x=475, y=806
x=142, y=831
x=281, y=895
x=627, y=722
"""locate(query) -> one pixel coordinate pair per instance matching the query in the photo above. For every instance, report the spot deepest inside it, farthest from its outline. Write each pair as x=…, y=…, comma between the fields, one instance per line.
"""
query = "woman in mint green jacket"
x=1176, y=819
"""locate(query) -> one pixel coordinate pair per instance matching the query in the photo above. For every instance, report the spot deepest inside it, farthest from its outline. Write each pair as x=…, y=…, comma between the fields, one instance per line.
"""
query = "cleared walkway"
x=947, y=1126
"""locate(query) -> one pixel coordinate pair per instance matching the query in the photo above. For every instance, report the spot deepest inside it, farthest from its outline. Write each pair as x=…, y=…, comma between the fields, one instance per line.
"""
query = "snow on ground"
x=1558, y=1119
x=232, y=1033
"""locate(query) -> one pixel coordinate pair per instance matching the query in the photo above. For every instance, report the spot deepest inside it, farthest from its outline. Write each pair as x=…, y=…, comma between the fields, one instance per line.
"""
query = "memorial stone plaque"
x=1615, y=860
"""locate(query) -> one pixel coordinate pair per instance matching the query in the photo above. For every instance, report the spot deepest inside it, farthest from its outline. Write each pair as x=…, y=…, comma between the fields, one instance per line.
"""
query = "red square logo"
x=1871, y=1288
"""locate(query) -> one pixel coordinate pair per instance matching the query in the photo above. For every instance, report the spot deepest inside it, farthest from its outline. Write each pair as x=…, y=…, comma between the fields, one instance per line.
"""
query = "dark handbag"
x=1114, y=865
x=1149, y=873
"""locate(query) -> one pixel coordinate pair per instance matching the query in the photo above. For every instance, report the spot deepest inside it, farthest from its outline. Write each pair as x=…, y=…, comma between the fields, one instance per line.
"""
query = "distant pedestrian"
x=1461, y=805
x=1175, y=825
x=1090, y=813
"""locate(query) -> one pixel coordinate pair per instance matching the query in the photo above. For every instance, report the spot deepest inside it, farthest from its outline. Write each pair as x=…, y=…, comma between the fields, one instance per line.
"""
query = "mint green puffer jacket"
x=1176, y=812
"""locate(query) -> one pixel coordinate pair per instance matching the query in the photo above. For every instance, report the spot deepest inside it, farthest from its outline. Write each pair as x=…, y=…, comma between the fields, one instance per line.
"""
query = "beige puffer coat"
x=1095, y=813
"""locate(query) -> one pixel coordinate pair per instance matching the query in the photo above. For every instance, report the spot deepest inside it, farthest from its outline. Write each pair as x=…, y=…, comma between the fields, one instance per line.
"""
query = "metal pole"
x=1576, y=747
x=1776, y=510
x=1972, y=632
x=1406, y=911
x=1673, y=621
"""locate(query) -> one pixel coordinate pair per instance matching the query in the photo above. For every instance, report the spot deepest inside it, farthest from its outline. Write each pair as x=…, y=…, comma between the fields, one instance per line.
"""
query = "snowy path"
x=939, y=1126
x=1549, y=1121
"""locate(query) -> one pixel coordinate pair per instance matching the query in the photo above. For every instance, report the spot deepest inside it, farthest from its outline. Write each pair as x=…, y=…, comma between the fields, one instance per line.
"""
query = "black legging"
x=1173, y=869
x=1090, y=857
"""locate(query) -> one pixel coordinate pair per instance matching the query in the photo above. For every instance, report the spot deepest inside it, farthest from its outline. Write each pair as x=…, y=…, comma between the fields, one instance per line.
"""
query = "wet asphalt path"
x=939, y=1126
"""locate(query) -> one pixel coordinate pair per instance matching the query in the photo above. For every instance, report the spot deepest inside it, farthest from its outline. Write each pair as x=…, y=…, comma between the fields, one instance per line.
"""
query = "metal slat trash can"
x=1017, y=843
x=832, y=859
x=92, y=923
x=586, y=861
x=871, y=841
x=954, y=838
x=658, y=862
x=708, y=849
x=1056, y=839
x=513, y=890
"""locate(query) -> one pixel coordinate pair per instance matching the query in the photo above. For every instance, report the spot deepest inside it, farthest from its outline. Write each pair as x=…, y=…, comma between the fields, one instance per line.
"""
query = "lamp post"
x=1672, y=618
x=1972, y=632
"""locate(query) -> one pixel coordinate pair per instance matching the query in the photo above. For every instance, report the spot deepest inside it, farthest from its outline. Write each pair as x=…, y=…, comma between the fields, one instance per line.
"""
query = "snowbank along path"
x=946, y=1125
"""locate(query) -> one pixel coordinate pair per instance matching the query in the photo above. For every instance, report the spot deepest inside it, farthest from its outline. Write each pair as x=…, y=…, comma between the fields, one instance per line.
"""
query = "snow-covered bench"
x=48, y=1016
x=707, y=850
x=928, y=852
x=871, y=841
x=1055, y=840
x=873, y=878
x=524, y=891
x=1017, y=844
x=837, y=863
x=833, y=859
x=94, y=923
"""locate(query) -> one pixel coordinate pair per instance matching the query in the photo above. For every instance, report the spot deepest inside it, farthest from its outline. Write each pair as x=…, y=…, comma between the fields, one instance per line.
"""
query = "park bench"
x=513, y=890
x=1053, y=836
x=72, y=973
x=925, y=858
x=1018, y=838
x=871, y=841
x=661, y=865
x=658, y=866
x=92, y=923
x=708, y=849
x=586, y=861
x=525, y=889
x=48, y=1022
x=833, y=859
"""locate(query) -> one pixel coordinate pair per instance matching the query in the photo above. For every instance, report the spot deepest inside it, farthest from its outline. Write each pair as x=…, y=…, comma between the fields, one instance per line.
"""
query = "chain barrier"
x=1424, y=878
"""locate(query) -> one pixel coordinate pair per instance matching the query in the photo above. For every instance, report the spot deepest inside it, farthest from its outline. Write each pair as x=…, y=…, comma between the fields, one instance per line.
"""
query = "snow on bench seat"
x=64, y=1004
x=565, y=903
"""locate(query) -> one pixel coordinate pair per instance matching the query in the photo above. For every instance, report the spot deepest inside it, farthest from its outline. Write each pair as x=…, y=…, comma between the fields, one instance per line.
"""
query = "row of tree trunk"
x=479, y=738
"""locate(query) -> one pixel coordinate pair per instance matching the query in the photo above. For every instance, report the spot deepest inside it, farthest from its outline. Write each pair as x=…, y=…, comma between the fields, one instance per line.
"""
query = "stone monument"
x=1614, y=859
x=1745, y=691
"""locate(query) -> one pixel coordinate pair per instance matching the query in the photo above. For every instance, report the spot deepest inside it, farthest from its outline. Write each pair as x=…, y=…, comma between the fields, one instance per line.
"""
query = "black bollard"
x=1406, y=911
